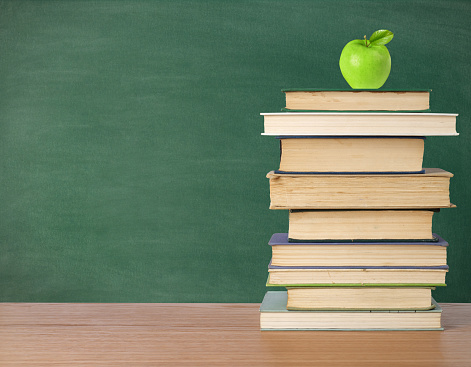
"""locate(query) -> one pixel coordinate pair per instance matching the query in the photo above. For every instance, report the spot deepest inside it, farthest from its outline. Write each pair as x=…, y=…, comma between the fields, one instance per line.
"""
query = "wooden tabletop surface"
x=202, y=334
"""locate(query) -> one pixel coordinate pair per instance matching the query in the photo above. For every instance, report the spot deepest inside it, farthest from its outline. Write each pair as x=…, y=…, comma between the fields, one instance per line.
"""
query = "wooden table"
x=34, y=334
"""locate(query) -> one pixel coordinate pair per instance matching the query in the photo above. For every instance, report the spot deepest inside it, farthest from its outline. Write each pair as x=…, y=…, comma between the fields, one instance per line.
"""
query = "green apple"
x=366, y=64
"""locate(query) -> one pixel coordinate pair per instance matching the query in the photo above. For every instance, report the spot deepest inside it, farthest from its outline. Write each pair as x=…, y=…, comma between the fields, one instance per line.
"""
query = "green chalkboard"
x=132, y=168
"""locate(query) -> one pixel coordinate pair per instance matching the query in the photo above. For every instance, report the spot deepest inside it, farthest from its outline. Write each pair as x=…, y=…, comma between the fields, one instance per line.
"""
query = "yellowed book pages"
x=358, y=255
x=350, y=320
x=360, y=191
x=357, y=123
x=360, y=224
x=357, y=100
x=275, y=316
x=351, y=154
x=332, y=276
x=359, y=298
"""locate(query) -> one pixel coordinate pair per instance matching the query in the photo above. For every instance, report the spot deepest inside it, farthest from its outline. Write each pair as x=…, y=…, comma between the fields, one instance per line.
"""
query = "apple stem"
x=366, y=41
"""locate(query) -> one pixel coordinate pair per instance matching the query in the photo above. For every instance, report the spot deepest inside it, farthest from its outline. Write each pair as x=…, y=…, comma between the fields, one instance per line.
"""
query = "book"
x=360, y=224
x=334, y=276
x=360, y=123
x=381, y=253
x=351, y=154
x=360, y=191
x=275, y=316
x=357, y=100
x=359, y=298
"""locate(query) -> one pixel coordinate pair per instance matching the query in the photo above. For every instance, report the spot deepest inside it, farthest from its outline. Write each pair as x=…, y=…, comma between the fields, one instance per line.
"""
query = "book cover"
x=282, y=239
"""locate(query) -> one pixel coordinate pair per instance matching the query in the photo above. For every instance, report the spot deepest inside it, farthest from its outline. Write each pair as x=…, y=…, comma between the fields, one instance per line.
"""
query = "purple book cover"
x=282, y=239
x=440, y=267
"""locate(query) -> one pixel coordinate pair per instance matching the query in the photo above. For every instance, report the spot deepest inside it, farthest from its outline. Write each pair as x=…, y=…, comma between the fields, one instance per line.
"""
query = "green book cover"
x=307, y=285
x=284, y=90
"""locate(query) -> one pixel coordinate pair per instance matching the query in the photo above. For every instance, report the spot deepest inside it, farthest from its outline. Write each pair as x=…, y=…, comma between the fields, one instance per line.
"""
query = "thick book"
x=351, y=154
x=357, y=100
x=360, y=123
x=428, y=190
x=381, y=253
x=360, y=224
x=275, y=316
x=359, y=298
x=358, y=276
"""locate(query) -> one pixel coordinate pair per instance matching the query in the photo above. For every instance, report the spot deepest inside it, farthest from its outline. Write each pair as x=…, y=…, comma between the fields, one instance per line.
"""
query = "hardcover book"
x=359, y=123
x=358, y=276
x=351, y=154
x=382, y=253
x=275, y=316
x=359, y=298
x=357, y=100
x=357, y=225
x=429, y=190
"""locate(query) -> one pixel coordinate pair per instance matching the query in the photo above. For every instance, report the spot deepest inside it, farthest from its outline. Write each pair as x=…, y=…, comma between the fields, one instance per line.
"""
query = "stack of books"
x=360, y=253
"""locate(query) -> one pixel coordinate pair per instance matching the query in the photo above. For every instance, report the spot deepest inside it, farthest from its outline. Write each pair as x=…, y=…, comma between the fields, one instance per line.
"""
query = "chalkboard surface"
x=132, y=165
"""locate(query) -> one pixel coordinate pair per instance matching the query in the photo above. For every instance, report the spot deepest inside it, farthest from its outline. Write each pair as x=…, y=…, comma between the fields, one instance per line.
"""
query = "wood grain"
x=201, y=334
